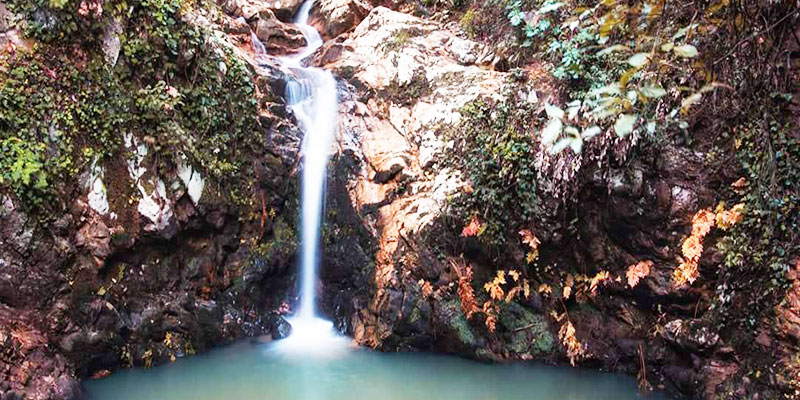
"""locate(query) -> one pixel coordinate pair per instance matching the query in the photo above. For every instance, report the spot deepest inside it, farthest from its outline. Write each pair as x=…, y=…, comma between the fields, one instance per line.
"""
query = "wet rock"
x=684, y=202
x=79, y=341
x=405, y=81
x=715, y=374
x=458, y=336
x=278, y=37
x=684, y=379
x=626, y=182
x=280, y=327
x=96, y=238
x=66, y=388
x=528, y=333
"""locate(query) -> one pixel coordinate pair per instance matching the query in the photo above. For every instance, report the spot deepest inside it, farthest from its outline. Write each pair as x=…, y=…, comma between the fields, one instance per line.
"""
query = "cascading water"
x=312, y=97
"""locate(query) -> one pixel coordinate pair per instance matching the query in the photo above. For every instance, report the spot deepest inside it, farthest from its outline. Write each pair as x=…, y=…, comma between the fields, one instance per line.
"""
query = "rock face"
x=399, y=190
x=409, y=77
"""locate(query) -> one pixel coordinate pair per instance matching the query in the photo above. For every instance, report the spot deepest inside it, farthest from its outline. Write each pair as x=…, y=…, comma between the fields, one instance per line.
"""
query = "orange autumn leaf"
x=489, y=310
x=426, y=287
x=513, y=293
x=495, y=292
x=11, y=47
x=465, y=292
x=702, y=222
x=638, y=271
x=685, y=273
x=567, y=336
x=473, y=228
x=529, y=239
x=739, y=186
x=692, y=248
x=567, y=290
x=545, y=289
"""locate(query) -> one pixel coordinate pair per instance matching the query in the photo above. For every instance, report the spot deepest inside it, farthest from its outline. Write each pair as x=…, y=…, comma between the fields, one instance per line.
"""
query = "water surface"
x=247, y=371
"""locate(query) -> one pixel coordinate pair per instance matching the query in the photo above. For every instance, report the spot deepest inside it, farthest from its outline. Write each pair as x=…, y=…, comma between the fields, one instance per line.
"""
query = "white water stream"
x=311, y=95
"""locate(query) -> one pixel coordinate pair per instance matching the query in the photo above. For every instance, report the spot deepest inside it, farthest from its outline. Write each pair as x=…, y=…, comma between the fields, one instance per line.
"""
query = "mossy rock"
x=527, y=331
x=457, y=322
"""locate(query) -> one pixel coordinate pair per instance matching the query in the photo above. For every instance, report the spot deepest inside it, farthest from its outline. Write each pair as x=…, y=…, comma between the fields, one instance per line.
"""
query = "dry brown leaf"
x=638, y=271
x=465, y=292
x=567, y=336
x=490, y=311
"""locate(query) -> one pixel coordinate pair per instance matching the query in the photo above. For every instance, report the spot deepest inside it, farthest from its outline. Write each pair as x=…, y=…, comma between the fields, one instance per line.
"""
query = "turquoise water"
x=247, y=371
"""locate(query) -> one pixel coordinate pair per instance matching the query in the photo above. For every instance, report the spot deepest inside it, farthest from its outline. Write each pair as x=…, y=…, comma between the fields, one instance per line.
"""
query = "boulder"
x=279, y=38
x=248, y=9
x=280, y=327
x=334, y=17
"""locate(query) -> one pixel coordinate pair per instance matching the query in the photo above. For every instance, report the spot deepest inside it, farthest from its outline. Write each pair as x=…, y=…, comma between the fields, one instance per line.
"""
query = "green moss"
x=281, y=245
x=528, y=332
x=760, y=248
x=458, y=323
x=408, y=93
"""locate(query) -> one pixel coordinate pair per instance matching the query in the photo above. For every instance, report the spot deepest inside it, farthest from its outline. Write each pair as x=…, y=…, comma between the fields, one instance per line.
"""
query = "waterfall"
x=312, y=97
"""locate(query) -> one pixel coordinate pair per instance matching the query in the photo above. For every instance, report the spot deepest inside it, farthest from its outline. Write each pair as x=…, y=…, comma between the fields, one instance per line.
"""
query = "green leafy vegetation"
x=494, y=147
x=759, y=250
